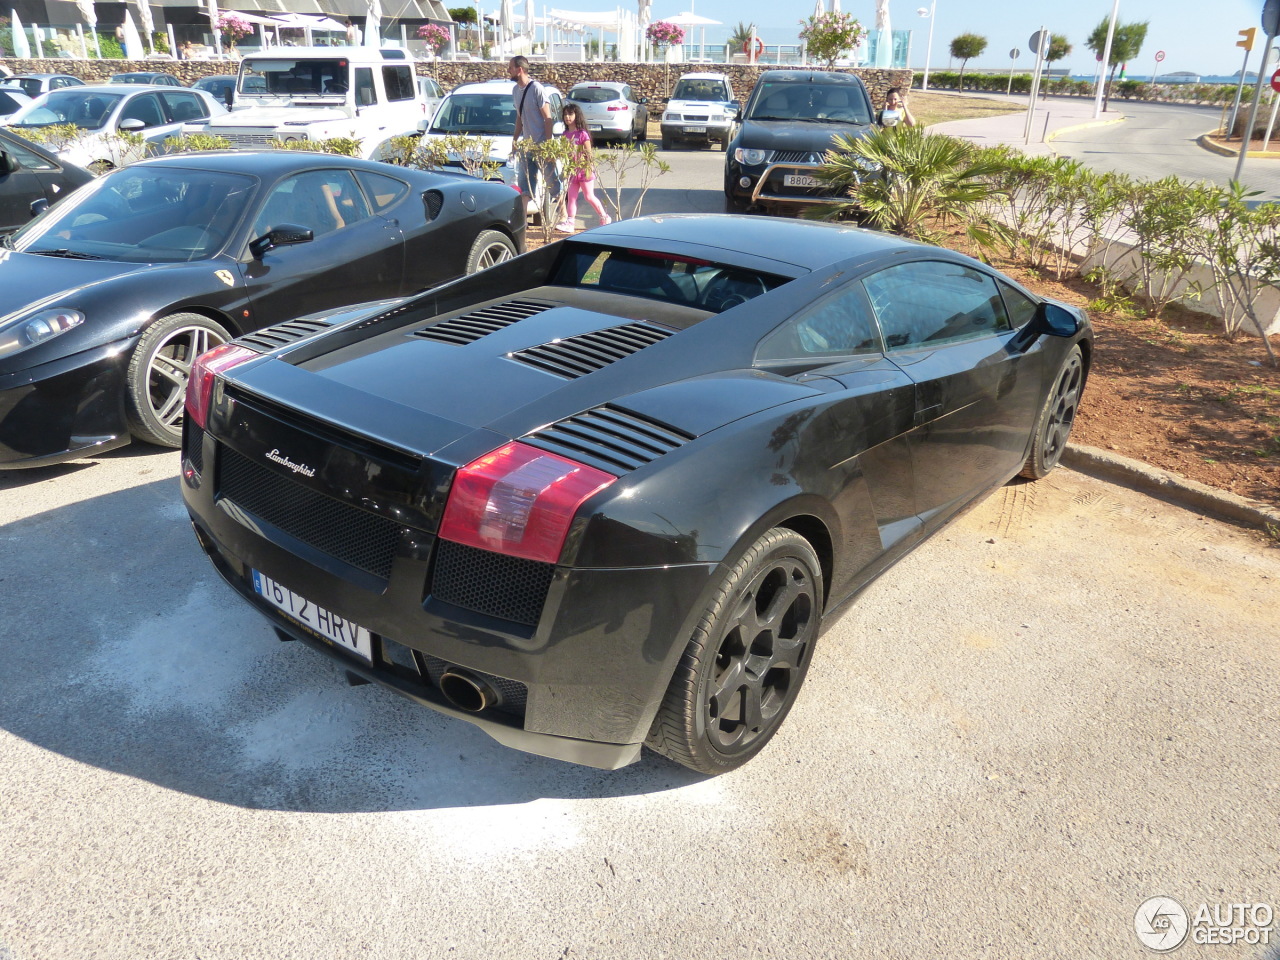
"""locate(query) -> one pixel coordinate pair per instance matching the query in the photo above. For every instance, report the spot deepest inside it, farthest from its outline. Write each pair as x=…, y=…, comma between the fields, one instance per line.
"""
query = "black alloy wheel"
x=1053, y=427
x=747, y=659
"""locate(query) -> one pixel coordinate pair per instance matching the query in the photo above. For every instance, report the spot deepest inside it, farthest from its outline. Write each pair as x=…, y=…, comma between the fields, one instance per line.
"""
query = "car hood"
x=426, y=386
x=33, y=280
x=499, y=149
x=676, y=106
x=277, y=116
x=807, y=137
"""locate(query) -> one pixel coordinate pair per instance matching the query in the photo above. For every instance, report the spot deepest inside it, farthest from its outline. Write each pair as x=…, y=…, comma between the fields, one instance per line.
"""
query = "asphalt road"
x=1060, y=706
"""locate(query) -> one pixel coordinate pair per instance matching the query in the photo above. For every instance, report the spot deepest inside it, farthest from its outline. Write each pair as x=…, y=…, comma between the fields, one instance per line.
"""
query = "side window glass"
x=932, y=302
x=398, y=81
x=1019, y=306
x=25, y=158
x=184, y=107
x=145, y=108
x=324, y=201
x=365, y=93
x=840, y=326
x=383, y=192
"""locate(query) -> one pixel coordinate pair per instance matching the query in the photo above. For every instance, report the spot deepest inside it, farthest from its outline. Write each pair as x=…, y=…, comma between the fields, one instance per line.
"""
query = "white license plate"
x=344, y=633
x=695, y=129
x=593, y=126
x=800, y=180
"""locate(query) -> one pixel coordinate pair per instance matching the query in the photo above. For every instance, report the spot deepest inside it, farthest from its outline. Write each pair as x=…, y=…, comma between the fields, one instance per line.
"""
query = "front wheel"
x=745, y=663
x=1053, y=426
x=158, y=372
x=490, y=247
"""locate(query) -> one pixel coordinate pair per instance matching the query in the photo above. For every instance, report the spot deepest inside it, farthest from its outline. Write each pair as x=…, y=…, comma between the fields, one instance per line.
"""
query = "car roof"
x=703, y=76
x=805, y=244
x=354, y=54
x=127, y=88
x=615, y=84
x=266, y=163
x=38, y=76
x=807, y=76
x=495, y=86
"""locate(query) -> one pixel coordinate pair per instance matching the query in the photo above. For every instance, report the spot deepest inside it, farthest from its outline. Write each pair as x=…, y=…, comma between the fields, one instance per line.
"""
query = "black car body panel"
x=36, y=174
x=327, y=464
x=789, y=123
x=423, y=240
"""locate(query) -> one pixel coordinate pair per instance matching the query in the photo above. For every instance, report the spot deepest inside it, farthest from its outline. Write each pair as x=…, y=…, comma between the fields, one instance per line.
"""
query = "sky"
x=1195, y=35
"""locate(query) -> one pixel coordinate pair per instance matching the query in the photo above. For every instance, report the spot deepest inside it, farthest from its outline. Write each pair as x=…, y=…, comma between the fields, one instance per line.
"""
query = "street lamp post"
x=928, y=53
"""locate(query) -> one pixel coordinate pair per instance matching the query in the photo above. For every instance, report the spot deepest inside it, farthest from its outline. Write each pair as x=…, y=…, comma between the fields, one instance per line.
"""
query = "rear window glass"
x=594, y=94
x=686, y=281
x=810, y=101
x=701, y=90
x=488, y=114
x=399, y=83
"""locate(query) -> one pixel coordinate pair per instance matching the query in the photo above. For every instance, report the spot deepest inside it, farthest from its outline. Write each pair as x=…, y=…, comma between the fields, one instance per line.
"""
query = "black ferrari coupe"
x=107, y=298
x=609, y=493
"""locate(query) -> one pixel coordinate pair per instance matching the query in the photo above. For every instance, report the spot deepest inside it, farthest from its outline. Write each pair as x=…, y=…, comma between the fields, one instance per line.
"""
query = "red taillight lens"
x=615, y=108
x=200, y=381
x=519, y=501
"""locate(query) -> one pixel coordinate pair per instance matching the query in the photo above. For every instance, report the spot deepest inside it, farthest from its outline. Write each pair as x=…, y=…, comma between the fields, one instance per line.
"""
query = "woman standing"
x=583, y=174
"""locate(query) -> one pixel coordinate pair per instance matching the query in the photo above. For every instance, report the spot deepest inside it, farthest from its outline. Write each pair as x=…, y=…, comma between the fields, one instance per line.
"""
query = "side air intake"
x=609, y=438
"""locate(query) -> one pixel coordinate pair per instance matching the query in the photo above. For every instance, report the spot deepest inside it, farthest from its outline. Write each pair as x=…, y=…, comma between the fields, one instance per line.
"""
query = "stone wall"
x=652, y=80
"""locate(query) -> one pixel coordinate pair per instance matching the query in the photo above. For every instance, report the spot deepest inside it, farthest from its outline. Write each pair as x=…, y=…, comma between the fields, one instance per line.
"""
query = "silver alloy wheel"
x=494, y=253
x=170, y=367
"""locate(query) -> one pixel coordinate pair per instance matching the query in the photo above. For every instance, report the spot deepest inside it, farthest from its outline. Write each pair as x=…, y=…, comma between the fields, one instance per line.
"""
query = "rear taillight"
x=519, y=501
x=200, y=381
x=621, y=106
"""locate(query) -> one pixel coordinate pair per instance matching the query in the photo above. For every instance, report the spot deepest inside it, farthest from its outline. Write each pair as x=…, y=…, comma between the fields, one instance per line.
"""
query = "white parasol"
x=133, y=48
x=373, y=24
x=148, y=23
x=21, y=45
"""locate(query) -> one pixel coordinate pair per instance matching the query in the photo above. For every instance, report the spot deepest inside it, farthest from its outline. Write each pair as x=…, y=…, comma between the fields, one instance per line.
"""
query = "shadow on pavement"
x=154, y=669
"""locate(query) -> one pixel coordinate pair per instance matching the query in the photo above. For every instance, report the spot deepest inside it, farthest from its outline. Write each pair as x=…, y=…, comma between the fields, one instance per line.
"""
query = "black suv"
x=781, y=136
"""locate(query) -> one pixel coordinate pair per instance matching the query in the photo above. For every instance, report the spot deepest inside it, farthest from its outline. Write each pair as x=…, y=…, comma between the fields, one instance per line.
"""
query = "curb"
x=1207, y=144
x=1053, y=135
x=1171, y=487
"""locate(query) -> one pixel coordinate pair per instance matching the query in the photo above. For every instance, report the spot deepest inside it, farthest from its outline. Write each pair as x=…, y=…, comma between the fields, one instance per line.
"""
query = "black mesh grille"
x=193, y=444
x=345, y=533
x=433, y=202
x=609, y=438
x=472, y=326
x=796, y=156
x=509, y=588
x=269, y=338
x=577, y=356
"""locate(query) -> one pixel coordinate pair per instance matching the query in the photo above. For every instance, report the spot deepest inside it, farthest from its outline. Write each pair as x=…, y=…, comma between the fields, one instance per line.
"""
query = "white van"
x=315, y=93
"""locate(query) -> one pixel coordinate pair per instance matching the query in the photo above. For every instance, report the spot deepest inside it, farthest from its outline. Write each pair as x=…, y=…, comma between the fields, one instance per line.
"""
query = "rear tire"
x=1053, y=426
x=747, y=658
x=667, y=143
x=156, y=381
x=491, y=247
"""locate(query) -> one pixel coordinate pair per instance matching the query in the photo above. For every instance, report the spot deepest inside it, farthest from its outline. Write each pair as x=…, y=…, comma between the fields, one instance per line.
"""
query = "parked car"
x=222, y=86
x=487, y=110
x=29, y=174
x=611, y=492
x=701, y=110
x=34, y=84
x=611, y=111
x=432, y=95
x=11, y=101
x=316, y=93
x=106, y=110
x=788, y=124
x=154, y=78
x=110, y=295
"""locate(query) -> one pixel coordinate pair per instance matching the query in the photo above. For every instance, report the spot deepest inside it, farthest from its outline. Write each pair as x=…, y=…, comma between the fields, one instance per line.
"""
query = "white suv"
x=487, y=111
x=701, y=110
x=315, y=93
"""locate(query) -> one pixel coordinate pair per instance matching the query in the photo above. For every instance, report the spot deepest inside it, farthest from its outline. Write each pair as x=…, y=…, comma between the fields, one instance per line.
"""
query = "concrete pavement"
x=1051, y=118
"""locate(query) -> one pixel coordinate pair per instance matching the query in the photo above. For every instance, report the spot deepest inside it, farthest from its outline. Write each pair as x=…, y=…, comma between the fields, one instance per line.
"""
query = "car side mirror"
x=735, y=107
x=284, y=235
x=364, y=97
x=228, y=97
x=7, y=164
x=39, y=206
x=1056, y=321
x=643, y=100
x=132, y=126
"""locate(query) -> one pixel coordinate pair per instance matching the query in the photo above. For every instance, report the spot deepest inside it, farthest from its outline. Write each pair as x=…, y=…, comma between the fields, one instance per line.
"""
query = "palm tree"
x=1126, y=44
x=741, y=36
x=964, y=47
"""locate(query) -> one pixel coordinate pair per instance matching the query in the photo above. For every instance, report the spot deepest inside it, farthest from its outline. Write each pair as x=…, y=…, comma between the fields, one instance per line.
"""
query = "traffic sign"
x=1039, y=42
x=1246, y=38
x=1275, y=81
x=1159, y=55
x=1015, y=53
x=1271, y=18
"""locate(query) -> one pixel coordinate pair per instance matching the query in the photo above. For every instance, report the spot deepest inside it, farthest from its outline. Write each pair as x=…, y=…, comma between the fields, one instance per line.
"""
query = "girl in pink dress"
x=575, y=131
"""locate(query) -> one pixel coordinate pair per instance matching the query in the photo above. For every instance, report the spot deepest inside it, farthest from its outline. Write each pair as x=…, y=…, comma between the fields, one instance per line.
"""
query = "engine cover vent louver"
x=586, y=353
x=479, y=323
x=269, y=338
x=609, y=438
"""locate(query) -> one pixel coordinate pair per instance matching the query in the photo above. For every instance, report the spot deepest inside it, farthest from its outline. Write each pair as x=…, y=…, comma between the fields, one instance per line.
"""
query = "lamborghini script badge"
x=226, y=277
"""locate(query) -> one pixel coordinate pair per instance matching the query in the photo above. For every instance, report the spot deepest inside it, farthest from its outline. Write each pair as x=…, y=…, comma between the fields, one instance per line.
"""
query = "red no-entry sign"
x=1275, y=81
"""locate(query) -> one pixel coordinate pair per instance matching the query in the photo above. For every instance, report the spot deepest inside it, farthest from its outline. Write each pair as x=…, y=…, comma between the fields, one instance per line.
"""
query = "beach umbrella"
x=148, y=23
x=90, y=17
x=818, y=9
x=133, y=48
x=21, y=45
x=506, y=18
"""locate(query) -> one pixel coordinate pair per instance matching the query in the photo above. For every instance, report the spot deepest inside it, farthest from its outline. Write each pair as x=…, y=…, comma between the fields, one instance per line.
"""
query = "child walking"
x=584, y=179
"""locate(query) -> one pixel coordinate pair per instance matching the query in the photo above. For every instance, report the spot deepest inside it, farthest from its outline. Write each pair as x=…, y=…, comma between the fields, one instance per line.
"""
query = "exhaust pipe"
x=466, y=691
